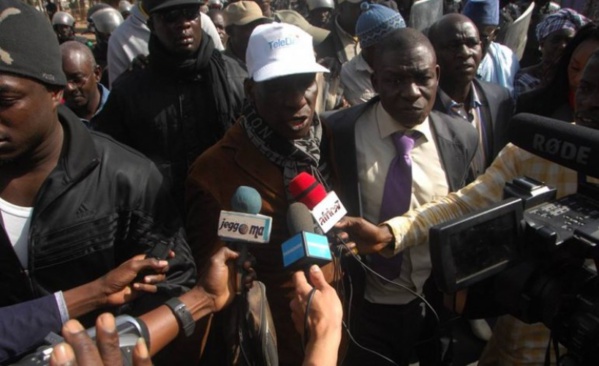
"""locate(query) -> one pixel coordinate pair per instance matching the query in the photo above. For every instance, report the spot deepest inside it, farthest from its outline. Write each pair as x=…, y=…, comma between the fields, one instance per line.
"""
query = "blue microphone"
x=305, y=247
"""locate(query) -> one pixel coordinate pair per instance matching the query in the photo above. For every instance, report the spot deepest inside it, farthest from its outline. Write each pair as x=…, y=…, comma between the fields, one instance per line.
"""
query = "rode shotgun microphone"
x=566, y=144
x=305, y=247
x=326, y=208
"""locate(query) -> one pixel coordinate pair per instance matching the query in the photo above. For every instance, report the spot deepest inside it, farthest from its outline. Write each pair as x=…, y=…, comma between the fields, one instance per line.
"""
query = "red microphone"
x=306, y=189
x=326, y=208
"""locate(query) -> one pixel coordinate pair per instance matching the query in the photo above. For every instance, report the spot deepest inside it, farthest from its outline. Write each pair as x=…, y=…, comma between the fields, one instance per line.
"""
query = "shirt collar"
x=388, y=126
x=473, y=101
x=103, y=97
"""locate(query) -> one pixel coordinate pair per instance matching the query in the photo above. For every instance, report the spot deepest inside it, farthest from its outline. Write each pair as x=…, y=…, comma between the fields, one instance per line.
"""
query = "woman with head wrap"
x=555, y=99
x=553, y=34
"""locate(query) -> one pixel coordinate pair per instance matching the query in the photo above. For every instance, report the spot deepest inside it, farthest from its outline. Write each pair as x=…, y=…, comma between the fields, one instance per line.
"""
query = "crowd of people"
x=138, y=132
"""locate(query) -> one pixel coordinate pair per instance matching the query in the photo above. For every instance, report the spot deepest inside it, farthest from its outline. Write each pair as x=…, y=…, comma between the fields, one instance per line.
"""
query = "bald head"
x=448, y=23
x=405, y=76
x=74, y=49
x=458, y=48
x=83, y=74
x=404, y=39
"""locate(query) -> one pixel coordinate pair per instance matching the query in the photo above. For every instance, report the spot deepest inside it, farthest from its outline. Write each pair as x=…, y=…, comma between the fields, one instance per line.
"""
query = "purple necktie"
x=396, y=198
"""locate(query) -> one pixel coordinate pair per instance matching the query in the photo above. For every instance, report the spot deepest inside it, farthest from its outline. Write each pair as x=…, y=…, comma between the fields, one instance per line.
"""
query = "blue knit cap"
x=375, y=22
x=485, y=12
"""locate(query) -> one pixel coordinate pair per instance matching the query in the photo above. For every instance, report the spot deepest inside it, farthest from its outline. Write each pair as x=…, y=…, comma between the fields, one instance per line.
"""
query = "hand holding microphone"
x=326, y=208
x=242, y=226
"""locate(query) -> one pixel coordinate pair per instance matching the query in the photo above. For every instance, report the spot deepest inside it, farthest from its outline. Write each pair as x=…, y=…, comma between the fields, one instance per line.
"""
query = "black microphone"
x=305, y=247
x=566, y=144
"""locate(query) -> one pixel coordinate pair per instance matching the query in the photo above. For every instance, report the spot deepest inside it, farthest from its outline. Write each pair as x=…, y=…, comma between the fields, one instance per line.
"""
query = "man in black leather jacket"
x=180, y=104
x=73, y=204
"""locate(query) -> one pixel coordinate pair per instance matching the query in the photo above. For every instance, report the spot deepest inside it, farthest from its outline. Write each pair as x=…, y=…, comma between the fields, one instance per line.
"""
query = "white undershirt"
x=16, y=221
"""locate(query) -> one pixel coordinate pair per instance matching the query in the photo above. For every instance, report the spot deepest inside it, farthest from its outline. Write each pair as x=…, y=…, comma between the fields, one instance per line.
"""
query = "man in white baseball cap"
x=277, y=136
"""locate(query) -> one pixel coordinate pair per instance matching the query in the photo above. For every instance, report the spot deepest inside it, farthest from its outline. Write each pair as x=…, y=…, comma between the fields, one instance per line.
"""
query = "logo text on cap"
x=282, y=42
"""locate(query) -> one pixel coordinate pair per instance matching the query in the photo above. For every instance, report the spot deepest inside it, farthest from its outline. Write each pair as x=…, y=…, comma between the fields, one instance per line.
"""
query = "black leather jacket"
x=95, y=210
x=169, y=115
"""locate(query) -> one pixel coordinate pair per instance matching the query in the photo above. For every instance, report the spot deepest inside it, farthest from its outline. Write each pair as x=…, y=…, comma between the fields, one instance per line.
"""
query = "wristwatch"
x=183, y=315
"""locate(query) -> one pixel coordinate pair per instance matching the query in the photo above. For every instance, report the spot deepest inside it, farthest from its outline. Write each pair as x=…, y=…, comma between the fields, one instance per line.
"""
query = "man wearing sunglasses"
x=180, y=104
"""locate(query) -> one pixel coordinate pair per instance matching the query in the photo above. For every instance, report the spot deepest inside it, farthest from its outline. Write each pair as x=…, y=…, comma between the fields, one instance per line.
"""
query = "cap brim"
x=281, y=68
x=318, y=34
x=171, y=3
x=249, y=19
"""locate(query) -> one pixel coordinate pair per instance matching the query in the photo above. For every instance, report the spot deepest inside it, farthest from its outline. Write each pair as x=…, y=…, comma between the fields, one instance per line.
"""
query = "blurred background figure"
x=92, y=9
x=105, y=22
x=215, y=4
x=266, y=8
x=218, y=19
x=51, y=9
x=125, y=8
x=241, y=18
x=373, y=25
x=320, y=13
x=553, y=34
x=499, y=64
x=63, y=24
x=556, y=99
x=83, y=94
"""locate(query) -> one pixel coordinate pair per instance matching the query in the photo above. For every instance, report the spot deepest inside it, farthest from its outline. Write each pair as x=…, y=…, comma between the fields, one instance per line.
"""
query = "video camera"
x=129, y=329
x=536, y=255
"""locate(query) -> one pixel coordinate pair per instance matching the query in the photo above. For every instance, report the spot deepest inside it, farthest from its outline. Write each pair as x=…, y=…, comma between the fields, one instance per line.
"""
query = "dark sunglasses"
x=188, y=13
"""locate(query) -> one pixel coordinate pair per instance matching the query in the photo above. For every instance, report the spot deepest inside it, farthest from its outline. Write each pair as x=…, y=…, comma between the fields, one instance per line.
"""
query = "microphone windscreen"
x=306, y=189
x=246, y=199
x=569, y=145
x=299, y=218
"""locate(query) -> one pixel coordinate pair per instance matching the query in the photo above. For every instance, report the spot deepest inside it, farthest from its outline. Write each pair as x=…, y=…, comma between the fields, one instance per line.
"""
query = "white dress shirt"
x=375, y=151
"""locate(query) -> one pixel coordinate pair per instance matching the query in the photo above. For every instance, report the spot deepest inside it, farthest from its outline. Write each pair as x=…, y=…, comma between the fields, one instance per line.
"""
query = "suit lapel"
x=451, y=152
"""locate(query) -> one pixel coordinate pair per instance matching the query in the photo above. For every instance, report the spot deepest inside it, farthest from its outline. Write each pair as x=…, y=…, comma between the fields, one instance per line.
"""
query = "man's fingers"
x=108, y=340
x=154, y=279
x=63, y=355
x=145, y=287
x=86, y=351
x=317, y=278
x=141, y=356
x=301, y=283
x=224, y=255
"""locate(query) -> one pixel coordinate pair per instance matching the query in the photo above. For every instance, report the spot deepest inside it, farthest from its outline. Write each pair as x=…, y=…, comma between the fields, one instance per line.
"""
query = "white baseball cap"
x=280, y=49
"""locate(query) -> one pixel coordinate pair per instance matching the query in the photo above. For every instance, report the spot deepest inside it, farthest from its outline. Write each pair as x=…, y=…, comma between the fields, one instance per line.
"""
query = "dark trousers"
x=391, y=330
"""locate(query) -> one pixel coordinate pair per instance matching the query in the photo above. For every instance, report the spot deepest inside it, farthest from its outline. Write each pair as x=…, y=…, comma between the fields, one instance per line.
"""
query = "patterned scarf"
x=294, y=156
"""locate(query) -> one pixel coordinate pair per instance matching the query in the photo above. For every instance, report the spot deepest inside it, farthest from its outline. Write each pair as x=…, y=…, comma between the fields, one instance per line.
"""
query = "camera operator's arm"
x=412, y=228
x=324, y=317
x=116, y=287
x=25, y=325
x=213, y=292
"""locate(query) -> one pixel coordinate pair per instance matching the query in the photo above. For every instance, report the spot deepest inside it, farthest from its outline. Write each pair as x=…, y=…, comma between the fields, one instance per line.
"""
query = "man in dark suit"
x=365, y=144
x=488, y=107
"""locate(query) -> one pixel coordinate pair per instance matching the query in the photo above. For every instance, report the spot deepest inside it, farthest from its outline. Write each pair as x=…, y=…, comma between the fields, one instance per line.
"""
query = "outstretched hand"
x=363, y=235
x=118, y=285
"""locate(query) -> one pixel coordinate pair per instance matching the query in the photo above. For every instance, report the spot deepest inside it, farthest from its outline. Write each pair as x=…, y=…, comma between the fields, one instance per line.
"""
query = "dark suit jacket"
x=456, y=141
x=497, y=109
